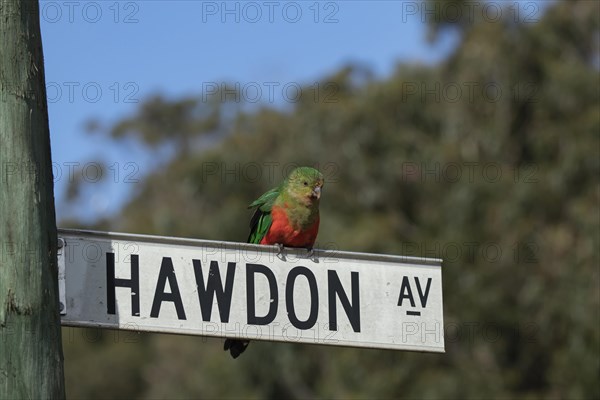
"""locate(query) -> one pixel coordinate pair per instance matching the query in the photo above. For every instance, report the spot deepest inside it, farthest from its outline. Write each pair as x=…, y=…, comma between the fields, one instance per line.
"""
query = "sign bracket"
x=62, y=295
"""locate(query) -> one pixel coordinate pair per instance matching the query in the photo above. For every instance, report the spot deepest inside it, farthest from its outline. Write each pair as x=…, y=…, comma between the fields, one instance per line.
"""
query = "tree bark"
x=31, y=360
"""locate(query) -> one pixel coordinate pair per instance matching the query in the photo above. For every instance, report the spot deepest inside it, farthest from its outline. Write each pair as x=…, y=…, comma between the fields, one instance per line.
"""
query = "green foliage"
x=518, y=229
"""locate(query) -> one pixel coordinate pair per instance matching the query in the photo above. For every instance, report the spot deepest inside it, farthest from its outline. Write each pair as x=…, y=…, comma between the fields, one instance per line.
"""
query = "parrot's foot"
x=279, y=249
x=280, y=254
x=310, y=254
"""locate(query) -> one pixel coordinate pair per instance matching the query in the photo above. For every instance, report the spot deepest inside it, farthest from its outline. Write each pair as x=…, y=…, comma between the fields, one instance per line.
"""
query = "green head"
x=304, y=184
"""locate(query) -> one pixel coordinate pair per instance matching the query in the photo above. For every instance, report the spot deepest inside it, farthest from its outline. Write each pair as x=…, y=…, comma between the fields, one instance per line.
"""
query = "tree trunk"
x=31, y=360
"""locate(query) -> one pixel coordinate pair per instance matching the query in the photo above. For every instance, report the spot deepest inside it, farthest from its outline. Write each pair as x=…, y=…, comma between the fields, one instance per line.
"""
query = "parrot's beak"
x=316, y=193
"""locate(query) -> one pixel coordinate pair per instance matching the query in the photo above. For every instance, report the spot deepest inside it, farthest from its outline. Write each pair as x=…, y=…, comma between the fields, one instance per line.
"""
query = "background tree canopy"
x=488, y=160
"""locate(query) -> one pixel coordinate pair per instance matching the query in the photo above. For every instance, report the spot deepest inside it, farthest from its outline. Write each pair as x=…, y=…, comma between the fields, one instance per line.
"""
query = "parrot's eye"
x=305, y=183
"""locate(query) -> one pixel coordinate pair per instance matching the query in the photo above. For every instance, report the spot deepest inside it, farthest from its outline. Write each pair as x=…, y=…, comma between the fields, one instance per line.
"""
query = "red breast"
x=282, y=232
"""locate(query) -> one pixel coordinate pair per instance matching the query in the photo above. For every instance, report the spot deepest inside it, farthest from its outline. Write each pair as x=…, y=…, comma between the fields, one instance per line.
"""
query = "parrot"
x=286, y=216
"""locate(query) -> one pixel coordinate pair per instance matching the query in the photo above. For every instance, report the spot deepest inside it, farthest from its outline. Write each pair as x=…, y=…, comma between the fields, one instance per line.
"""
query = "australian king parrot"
x=287, y=216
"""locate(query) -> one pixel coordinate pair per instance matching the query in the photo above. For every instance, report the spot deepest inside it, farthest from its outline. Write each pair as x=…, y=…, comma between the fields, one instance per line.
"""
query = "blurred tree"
x=177, y=123
x=441, y=15
x=489, y=160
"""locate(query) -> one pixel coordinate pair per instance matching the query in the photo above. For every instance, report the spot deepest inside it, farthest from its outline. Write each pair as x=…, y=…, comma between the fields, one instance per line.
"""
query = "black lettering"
x=206, y=293
x=406, y=292
x=167, y=272
x=314, y=298
x=423, y=297
x=251, y=269
x=112, y=283
x=352, y=310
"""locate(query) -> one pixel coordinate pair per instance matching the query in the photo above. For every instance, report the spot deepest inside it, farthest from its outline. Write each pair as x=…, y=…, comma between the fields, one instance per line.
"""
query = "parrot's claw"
x=279, y=249
x=312, y=255
x=280, y=254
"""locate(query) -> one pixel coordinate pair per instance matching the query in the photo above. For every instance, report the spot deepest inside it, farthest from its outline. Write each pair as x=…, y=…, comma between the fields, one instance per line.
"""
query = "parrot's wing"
x=261, y=220
x=265, y=202
x=260, y=224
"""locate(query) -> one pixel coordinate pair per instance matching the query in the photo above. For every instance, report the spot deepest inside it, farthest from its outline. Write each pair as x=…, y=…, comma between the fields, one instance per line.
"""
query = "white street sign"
x=239, y=290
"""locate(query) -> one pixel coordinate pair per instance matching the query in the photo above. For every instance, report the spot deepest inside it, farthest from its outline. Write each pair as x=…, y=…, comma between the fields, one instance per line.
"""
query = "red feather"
x=281, y=231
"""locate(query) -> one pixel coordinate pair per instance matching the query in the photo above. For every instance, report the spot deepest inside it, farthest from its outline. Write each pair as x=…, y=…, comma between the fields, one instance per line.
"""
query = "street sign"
x=240, y=290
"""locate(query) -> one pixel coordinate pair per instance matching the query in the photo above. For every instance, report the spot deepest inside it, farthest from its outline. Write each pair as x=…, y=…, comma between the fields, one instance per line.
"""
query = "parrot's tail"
x=235, y=347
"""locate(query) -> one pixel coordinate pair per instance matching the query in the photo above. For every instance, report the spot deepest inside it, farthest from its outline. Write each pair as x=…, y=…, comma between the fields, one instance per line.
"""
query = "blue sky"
x=102, y=58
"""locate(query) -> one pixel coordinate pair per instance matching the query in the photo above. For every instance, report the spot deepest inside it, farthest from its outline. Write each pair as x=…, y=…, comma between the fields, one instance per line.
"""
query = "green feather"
x=294, y=192
x=261, y=220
